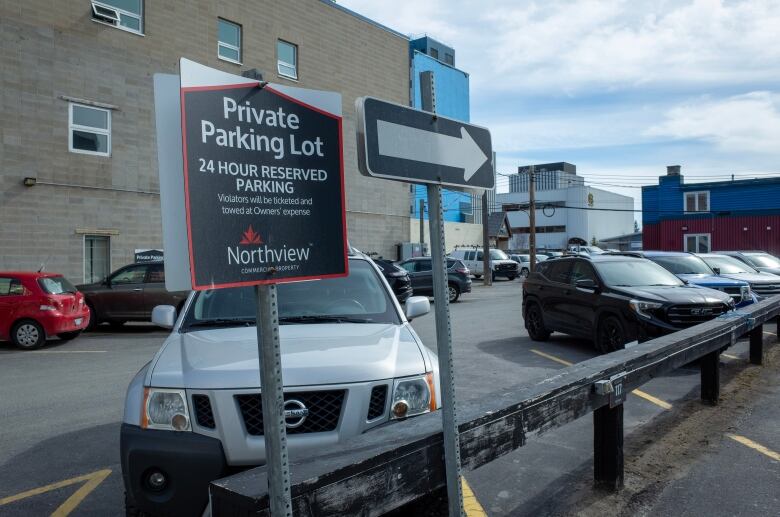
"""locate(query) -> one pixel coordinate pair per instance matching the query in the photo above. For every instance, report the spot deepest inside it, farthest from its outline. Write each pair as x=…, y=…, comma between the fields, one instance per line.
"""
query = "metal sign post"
x=272, y=400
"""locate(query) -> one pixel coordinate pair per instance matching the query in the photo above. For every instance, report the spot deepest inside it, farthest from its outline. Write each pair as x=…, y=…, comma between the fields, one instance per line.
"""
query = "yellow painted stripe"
x=79, y=495
x=470, y=502
x=48, y=488
x=729, y=356
x=639, y=393
x=747, y=442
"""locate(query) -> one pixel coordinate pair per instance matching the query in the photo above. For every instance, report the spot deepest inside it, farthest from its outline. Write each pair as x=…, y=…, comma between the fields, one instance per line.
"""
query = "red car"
x=34, y=306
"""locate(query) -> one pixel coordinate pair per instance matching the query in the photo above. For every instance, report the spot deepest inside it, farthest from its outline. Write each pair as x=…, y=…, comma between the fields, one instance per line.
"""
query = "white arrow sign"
x=408, y=143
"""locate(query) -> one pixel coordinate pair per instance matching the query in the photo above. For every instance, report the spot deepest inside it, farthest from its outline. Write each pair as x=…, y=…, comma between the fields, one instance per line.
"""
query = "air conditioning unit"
x=105, y=13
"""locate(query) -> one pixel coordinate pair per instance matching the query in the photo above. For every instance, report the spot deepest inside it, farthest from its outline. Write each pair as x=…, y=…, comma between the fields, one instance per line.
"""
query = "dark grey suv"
x=421, y=275
x=129, y=294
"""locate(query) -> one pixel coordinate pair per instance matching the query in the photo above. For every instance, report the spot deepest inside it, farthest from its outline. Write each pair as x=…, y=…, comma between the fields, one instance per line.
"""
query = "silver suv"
x=351, y=362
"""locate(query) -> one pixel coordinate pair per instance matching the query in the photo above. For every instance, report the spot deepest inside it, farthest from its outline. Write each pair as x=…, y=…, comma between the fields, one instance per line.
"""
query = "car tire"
x=131, y=510
x=477, y=276
x=493, y=276
x=93, y=321
x=534, y=323
x=611, y=335
x=67, y=336
x=28, y=334
x=524, y=272
x=511, y=277
x=453, y=292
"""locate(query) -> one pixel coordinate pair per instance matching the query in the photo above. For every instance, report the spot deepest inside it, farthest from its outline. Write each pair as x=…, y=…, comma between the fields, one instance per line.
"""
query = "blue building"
x=452, y=100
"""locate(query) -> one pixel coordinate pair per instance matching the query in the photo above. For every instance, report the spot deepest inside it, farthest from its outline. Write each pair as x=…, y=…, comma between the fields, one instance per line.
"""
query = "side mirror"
x=417, y=306
x=164, y=316
x=716, y=270
x=587, y=284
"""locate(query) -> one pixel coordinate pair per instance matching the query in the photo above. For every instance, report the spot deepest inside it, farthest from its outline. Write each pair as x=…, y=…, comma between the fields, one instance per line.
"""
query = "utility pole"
x=532, y=216
x=422, y=226
x=487, y=273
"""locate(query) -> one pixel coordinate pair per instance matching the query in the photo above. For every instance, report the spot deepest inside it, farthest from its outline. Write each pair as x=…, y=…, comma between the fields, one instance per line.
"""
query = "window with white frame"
x=123, y=14
x=97, y=257
x=697, y=242
x=90, y=130
x=229, y=41
x=287, y=59
x=697, y=201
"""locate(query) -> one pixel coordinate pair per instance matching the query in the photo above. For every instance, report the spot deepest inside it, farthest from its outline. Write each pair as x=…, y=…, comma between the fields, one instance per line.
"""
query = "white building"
x=565, y=208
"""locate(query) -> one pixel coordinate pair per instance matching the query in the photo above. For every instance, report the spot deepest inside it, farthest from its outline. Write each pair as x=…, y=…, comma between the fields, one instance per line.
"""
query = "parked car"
x=397, y=277
x=692, y=269
x=351, y=362
x=34, y=306
x=500, y=262
x=421, y=275
x=525, y=262
x=759, y=260
x=613, y=299
x=129, y=294
x=590, y=250
x=763, y=284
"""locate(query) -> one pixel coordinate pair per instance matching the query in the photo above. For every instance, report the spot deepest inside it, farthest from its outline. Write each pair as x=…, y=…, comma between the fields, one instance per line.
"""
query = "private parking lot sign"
x=263, y=180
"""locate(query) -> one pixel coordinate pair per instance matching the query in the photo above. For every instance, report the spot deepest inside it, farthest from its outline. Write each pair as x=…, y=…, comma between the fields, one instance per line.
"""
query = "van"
x=500, y=263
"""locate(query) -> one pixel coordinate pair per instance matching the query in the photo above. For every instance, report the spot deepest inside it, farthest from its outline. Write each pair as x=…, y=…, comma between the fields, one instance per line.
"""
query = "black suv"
x=613, y=300
x=421, y=274
x=397, y=277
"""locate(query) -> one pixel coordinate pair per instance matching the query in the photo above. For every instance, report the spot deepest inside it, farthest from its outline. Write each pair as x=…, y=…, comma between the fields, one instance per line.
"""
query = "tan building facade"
x=77, y=116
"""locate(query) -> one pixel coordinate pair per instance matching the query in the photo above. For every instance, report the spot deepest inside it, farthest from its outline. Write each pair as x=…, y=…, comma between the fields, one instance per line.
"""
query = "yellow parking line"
x=747, y=442
x=93, y=480
x=470, y=502
x=639, y=393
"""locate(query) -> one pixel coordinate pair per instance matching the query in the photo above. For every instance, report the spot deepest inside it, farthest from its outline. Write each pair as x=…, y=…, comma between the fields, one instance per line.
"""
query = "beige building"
x=77, y=116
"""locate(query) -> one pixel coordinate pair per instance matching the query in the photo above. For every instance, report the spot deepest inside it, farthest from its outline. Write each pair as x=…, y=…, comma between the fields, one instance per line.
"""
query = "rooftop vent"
x=672, y=170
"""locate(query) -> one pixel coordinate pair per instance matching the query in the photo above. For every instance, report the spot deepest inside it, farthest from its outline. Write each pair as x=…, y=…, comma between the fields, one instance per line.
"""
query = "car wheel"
x=131, y=510
x=493, y=276
x=453, y=293
x=28, y=334
x=67, y=336
x=511, y=277
x=93, y=321
x=524, y=272
x=611, y=335
x=477, y=276
x=534, y=323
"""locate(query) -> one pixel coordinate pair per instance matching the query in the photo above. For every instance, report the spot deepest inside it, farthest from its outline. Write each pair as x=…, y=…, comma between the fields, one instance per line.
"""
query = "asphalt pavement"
x=61, y=409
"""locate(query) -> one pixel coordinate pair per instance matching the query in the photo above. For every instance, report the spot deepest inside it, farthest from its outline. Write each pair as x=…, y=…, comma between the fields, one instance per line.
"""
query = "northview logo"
x=250, y=237
x=263, y=254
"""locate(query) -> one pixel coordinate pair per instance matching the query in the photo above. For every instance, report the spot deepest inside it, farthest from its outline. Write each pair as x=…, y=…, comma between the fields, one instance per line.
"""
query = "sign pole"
x=272, y=399
x=444, y=350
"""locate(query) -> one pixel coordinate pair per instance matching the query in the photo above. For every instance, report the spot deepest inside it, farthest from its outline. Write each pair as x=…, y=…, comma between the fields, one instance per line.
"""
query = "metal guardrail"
x=382, y=470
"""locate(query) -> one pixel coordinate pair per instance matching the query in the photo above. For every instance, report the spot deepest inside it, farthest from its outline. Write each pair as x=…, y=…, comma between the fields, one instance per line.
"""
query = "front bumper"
x=188, y=460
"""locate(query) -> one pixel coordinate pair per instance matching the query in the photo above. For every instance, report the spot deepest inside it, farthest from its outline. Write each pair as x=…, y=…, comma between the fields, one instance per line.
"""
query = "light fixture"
x=768, y=227
x=29, y=182
x=744, y=229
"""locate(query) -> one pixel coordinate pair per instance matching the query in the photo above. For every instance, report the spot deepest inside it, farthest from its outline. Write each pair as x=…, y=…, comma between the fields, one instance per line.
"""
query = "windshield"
x=357, y=298
x=635, y=273
x=683, y=265
x=56, y=285
x=763, y=260
x=728, y=265
x=498, y=255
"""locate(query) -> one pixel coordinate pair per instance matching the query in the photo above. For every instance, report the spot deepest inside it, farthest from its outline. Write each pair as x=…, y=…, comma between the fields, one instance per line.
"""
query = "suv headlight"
x=745, y=292
x=165, y=409
x=413, y=396
x=643, y=308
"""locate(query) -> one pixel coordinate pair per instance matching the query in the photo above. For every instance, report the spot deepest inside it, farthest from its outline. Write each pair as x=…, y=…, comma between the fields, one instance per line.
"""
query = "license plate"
x=78, y=321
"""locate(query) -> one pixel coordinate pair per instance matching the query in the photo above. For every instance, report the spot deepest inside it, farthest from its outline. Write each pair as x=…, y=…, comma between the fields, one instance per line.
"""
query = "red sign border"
x=195, y=286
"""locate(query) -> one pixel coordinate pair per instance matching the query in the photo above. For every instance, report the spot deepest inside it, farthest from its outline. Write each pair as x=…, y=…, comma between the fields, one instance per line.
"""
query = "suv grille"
x=324, y=411
x=734, y=292
x=376, y=407
x=506, y=267
x=767, y=289
x=689, y=315
x=203, y=413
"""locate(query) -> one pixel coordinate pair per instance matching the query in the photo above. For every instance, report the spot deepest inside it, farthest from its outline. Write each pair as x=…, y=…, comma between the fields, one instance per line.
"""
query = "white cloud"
x=747, y=123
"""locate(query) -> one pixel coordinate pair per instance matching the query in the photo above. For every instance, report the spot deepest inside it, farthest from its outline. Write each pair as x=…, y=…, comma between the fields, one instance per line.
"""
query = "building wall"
x=455, y=234
x=743, y=215
x=49, y=53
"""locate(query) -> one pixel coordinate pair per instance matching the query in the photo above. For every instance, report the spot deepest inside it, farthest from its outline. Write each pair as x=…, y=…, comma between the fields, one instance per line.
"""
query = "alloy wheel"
x=27, y=335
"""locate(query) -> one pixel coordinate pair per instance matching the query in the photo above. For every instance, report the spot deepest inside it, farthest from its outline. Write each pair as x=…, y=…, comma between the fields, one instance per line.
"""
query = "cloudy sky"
x=620, y=88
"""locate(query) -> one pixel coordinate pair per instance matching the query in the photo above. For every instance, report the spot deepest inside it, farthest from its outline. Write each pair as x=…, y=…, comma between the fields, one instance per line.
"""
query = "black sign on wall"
x=148, y=255
x=264, y=187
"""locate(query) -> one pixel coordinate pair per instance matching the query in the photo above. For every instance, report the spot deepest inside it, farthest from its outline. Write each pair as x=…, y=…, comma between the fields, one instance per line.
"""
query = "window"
x=697, y=242
x=11, y=287
x=581, y=271
x=558, y=271
x=449, y=59
x=229, y=44
x=470, y=255
x=434, y=53
x=697, y=201
x=122, y=14
x=56, y=285
x=130, y=275
x=409, y=266
x=423, y=265
x=287, y=59
x=90, y=130
x=156, y=274
x=97, y=262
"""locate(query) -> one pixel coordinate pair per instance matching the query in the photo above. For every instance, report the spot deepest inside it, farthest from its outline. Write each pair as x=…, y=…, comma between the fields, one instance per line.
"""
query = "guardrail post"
x=757, y=345
x=608, y=447
x=710, y=377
